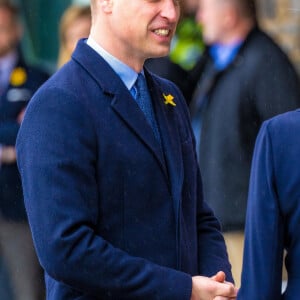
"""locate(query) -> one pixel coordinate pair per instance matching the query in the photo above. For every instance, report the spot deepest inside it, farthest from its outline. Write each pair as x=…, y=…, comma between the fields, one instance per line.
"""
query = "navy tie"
x=143, y=100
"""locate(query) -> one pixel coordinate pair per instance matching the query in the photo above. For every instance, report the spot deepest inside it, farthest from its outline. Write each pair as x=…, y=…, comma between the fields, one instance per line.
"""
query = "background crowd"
x=234, y=77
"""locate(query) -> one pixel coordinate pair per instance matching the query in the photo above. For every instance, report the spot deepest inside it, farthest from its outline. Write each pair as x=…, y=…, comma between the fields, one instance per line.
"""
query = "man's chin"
x=160, y=54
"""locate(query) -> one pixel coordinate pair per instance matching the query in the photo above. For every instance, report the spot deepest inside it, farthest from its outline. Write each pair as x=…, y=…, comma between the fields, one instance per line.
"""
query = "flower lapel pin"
x=169, y=100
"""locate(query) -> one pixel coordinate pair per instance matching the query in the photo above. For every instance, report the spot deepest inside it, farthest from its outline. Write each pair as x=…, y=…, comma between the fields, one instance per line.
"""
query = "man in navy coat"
x=273, y=212
x=113, y=192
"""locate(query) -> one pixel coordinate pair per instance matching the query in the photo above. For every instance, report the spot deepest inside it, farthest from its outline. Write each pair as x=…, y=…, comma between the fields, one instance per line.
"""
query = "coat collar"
x=122, y=103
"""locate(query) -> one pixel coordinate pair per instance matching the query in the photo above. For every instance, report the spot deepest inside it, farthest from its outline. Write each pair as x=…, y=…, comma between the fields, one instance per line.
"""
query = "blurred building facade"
x=281, y=18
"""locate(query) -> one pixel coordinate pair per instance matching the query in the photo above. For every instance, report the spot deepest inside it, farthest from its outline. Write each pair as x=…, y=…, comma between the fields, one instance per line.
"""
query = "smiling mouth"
x=162, y=32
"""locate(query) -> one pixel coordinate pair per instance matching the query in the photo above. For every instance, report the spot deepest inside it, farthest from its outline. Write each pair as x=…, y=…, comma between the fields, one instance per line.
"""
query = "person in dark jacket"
x=273, y=212
x=118, y=211
x=242, y=79
x=18, y=82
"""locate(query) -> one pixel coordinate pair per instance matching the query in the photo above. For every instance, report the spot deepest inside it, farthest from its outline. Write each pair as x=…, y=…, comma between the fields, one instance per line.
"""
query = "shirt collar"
x=223, y=55
x=127, y=74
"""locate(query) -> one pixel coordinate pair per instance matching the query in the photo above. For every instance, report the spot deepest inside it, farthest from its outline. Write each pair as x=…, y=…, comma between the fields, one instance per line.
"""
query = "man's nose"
x=171, y=10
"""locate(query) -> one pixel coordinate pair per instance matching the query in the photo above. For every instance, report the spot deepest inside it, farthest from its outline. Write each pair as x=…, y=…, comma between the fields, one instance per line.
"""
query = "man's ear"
x=106, y=5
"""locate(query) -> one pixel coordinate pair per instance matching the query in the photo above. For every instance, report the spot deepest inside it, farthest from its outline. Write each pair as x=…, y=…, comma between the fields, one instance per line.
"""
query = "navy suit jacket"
x=273, y=212
x=111, y=216
x=25, y=80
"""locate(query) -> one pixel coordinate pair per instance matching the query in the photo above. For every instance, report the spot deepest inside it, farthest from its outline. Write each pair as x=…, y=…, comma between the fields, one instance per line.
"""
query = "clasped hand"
x=213, y=288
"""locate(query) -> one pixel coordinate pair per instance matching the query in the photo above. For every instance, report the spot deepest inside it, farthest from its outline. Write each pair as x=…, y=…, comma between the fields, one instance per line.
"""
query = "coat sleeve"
x=56, y=152
x=263, y=250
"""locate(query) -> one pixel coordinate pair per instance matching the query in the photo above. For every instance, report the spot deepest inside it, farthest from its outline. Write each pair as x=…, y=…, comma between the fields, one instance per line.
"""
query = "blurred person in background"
x=18, y=82
x=242, y=79
x=75, y=24
x=5, y=289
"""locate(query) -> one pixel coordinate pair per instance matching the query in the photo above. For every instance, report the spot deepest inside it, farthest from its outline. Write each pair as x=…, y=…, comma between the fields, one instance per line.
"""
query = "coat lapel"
x=170, y=160
x=167, y=118
x=128, y=110
x=122, y=102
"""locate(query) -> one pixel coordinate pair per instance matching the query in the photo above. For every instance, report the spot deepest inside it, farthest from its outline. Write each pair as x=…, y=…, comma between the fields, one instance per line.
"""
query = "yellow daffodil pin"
x=169, y=99
x=18, y=76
